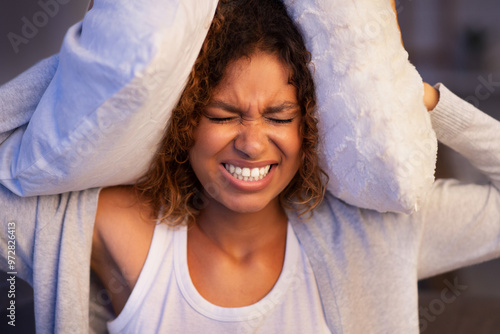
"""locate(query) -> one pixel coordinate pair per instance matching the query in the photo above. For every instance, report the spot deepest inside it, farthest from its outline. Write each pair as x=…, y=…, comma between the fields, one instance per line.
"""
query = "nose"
x=251, y=140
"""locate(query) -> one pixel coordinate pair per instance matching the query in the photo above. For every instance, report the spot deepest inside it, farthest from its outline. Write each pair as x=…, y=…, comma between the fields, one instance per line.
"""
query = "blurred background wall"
x=457, y=42
x=31, y=30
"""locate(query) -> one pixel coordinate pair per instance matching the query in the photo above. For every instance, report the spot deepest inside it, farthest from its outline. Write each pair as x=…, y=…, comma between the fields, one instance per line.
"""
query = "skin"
x=236, y=248
x=253, y=120
x=123, y=232
x=431, y=96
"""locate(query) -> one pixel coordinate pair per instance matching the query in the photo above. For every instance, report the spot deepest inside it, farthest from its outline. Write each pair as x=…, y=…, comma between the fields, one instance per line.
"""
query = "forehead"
x=261, y=76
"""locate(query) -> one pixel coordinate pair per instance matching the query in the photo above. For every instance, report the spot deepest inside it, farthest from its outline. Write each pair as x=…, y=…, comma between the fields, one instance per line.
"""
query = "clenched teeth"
x=247, y=174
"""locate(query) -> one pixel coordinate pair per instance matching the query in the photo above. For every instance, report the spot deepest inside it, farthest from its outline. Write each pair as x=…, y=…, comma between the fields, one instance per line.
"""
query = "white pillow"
x=120, y=73
x=379, y=147
x=123, y=69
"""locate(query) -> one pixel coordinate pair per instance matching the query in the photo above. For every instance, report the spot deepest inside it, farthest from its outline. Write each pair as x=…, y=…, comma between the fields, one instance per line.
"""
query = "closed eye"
x=280, y=121
x=221, y=120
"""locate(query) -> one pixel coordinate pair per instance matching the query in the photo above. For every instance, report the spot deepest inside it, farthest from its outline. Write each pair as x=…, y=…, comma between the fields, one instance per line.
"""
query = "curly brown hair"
x=239, y=29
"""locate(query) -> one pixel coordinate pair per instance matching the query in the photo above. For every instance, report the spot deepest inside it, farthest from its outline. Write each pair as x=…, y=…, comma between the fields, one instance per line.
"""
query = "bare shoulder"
x=123, y=232
x=122, y=214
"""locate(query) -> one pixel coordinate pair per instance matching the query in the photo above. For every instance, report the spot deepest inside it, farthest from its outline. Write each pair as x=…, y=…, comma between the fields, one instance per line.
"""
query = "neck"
x=241, y=234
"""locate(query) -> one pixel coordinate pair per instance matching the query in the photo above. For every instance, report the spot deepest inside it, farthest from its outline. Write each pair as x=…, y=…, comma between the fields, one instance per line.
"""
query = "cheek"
x=198, y=150
x=294, y=140
x=210, y=140
x=297, y=148
x=290, y=143
x=208, y=143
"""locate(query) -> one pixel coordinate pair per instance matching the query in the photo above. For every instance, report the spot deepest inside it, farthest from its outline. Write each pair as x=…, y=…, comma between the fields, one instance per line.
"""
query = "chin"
x=239, y=208
x=239, y=205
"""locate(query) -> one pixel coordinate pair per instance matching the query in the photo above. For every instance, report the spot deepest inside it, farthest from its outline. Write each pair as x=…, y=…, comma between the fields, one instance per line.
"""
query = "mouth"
x=247, y=173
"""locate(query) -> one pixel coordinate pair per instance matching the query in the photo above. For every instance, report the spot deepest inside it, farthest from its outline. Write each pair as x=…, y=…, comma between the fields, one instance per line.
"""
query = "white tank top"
x=164, y=299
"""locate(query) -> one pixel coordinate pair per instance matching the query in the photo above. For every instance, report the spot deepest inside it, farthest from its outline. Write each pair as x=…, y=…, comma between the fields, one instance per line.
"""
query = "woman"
x=240, y=147
x=235, y=254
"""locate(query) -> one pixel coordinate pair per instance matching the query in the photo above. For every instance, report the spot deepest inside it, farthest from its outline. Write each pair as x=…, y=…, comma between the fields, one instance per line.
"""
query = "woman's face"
x=247, y=145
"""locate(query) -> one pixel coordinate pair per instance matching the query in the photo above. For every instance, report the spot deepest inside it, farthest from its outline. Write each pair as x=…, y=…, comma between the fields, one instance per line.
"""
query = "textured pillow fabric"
x=120, y=73
x=122, y=70
x=378, y=148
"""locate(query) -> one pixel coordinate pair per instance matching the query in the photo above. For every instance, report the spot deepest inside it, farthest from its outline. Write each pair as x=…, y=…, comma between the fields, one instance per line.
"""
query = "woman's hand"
x=431, y=94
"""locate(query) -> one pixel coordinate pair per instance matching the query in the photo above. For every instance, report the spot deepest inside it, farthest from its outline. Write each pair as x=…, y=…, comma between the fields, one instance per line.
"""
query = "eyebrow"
x=269, y=110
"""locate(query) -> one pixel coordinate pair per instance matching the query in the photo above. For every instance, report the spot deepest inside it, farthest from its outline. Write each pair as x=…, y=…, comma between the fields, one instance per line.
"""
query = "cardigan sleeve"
x=18, y=222
x=52, y=239
x=92, y=115
x=460, y=223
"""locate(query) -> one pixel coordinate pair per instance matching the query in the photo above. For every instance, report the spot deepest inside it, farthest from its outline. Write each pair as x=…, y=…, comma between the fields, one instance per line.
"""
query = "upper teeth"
x=247, y=174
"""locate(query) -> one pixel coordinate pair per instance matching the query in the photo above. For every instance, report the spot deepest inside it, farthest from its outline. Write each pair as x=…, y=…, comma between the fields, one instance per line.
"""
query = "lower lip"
x=249, y=185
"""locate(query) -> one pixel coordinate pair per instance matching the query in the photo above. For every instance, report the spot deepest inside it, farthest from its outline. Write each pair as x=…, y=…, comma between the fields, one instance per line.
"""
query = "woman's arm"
x=120, y=72
x=118, y=254
x=53, y=237
x=461, y=222
x=19, y=98
x=17, y=241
